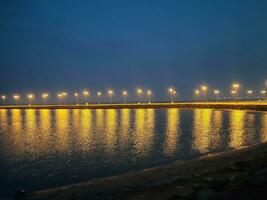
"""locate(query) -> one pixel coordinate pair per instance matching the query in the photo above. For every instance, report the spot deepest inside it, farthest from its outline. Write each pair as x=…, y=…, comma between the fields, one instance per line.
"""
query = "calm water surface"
x=47, y=148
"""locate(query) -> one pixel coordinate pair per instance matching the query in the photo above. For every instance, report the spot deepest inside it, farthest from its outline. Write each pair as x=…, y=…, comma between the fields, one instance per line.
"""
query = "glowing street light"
x=99, y=94
x=204, y=89
x=235, y=87
x=216, y=93
x=3, y=97
x=197, y=92
x=76, y=95
x=110, y=94
x=30, y=97
x=263, y=93
x=125, y=94
x=44, y=97
x=250, y=93
x=233, y=93
x=59, y=96
x=149, y=93
x=86, y=95
x=139, y=93
x=171, y=92
x=64, y=96
x=16, y=97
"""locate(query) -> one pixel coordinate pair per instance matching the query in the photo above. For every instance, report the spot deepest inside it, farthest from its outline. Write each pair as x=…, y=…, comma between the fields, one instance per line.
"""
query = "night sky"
x=55, y=45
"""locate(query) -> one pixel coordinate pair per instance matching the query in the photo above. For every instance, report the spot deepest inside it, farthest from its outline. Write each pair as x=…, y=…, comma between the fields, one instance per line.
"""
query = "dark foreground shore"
x=238, y=174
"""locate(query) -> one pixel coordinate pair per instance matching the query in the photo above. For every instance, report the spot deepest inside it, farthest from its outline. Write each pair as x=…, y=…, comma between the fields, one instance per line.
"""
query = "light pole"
x=149, y=93
x=16, y=97
x=86, y=95
x=250, y=93
x=110, y=94
x=216, y=93
x=59, y=96
x=174, y=95
x=64, y=96
x=171, y=94
x=98, y=97
x=236, y=87
x=139, y=93
x=30, y=97
x=197, y=92
x=76, y=95
x=44, y=97
x=3, y=97
x=204, y=89
x=263, y=93
x=125, y=94
x=233, y=92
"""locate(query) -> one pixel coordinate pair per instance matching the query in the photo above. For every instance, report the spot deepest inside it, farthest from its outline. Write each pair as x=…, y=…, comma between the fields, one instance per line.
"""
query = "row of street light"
x=62, y=96
x=202, y=91
x=235, y=89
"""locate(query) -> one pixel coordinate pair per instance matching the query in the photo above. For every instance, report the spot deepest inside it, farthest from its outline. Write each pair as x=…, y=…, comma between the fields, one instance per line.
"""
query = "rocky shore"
x=238, y=174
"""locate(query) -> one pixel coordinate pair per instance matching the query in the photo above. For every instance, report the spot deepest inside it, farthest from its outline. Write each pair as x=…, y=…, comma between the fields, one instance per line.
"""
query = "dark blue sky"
x=67, y=45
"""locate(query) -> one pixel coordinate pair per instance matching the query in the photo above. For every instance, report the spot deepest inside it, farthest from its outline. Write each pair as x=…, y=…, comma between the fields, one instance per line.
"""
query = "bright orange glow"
x=59, y=95
x=86, y=93
x=45, y=95
x=236, y=85
x=124, y=93
x=30, y=96
x=16, y=97
x=170, y=90
x=204, y=88
x=250, y=92
x=216, y=92
x=233, y=92
x=64, y=94
x=139, y=91
x=110, y=92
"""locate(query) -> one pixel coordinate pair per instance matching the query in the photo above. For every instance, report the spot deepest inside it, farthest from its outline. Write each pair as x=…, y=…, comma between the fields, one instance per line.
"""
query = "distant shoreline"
x=255, y=105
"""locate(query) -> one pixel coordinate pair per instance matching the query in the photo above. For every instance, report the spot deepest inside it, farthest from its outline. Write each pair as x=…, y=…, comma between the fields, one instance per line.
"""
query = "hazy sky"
x=66, y=45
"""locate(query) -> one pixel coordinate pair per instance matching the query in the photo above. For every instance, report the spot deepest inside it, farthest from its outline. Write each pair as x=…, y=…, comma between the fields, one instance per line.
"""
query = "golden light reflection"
x=144, y=130
x=62, y=129
x=45, y=127
x=16, y=120
x=45, y=119
x=125, y=125
x=3, y=119
x=237, y=119
x=149, y=128
x=216, y=129
x=18, y=139
x=250, y=128
x=85, y=138
x=173, y=130
x=111, y=122
x=32, y=134
x=139, y=129
x=202, y=129
x=263, y=136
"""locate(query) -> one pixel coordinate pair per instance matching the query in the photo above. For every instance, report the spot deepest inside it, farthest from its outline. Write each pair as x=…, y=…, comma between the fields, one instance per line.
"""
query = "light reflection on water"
x=47, y=148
